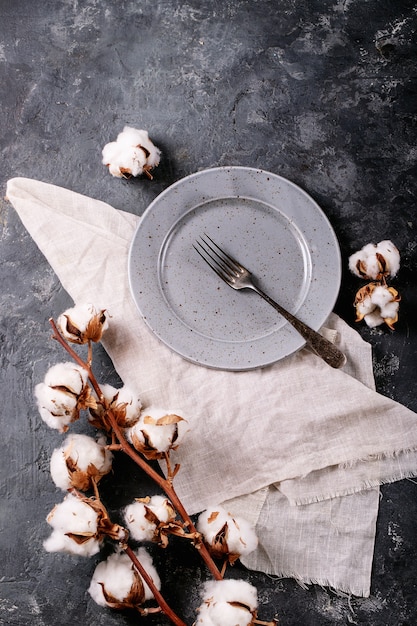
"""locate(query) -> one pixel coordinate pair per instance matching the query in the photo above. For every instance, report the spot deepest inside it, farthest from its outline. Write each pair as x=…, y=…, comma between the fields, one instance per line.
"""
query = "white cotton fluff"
x=160, y=437
x=72, y=516
x=57, y=395
x=80, y=316
x=139, y=527
x=126, y=396
x=369, y=263
x=116, y=575
x=219, y=598
x=125, y=404
x=131, y=154
x=67, y=375
x=83, y=451
x=56, y=408
x=378, y=306
x=241, y=538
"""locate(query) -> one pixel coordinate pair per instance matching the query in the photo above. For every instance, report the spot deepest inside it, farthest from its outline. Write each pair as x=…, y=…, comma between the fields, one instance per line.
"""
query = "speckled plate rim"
x=181, y=203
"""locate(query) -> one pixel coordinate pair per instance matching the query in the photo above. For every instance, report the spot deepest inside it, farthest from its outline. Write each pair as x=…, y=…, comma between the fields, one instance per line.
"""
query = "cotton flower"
x=226, y=535
x=80, y=462
x=147, y=518
x=125, y=405
x=376, y=304
x=156, y=432
x=227, y=603
x=79, y=526
x=83, y=323
x=117, y=584
x=132, y=154
x=62, y=394
x=376, y=261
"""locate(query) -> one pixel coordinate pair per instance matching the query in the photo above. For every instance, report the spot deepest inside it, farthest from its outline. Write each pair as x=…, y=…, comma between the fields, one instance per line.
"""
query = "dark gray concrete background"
x=322, y=92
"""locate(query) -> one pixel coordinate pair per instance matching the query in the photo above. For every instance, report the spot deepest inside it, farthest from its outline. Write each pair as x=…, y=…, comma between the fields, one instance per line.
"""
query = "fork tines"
x=214, y=256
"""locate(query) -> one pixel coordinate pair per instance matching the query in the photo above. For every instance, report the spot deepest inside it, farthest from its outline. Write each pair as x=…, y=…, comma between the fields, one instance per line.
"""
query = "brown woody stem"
x=163, y=483
x=165, y=608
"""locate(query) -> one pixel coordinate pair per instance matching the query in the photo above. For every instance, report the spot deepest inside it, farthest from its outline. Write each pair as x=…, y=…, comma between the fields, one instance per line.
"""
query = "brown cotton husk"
x=165, y=420
x=134, y=598
x=93, y=331
x=219, y=547
x=82, y=480
x=146, y=446
x=383, y=267
x=367, y=291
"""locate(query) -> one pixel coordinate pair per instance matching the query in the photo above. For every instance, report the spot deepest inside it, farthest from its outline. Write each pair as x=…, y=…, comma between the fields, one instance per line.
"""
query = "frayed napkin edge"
x=364, y=486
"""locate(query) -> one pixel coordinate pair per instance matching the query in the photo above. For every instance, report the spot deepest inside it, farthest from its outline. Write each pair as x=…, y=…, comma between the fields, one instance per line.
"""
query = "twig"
x=165, y=608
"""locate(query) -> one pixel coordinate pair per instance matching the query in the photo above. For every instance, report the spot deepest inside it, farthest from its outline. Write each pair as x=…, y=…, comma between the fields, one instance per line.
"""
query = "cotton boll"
x=62, y=394
x=391, y=255
x=377, y=304
x=125, y=405
x=156, y=432
x=57, y=409
x=227, y=603
x=60, y=542
x=225, y=534
x=140, y=517
x=80, y=461
x=115, y=581
x=74, y=525
x=83, y=323
x=375, y=261
x=132, y=154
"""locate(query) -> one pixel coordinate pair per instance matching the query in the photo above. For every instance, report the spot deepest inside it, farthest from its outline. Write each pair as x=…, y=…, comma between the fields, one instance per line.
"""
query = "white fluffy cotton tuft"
x=116, y=576
x=377, y=304
x=375, y=261
x=70, y=519
x=132, y=154
x=135, y=515
x=58, y=395
x=154, y=432
x=227, y=603
x=83, y=323
x=78, y=461
x=236, y=531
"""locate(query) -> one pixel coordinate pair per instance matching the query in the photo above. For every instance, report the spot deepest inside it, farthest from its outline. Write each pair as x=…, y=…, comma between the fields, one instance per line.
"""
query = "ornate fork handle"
x=319, y=344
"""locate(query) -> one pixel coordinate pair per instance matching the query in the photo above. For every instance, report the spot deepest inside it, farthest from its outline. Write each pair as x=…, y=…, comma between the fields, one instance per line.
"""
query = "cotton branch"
x=164, y=483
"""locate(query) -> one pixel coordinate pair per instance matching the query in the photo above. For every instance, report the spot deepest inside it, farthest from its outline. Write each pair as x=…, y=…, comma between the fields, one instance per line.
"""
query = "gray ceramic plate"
x=273, y=227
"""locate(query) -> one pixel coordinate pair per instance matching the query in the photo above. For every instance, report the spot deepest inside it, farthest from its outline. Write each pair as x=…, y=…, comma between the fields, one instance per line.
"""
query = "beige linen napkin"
x=298, y=447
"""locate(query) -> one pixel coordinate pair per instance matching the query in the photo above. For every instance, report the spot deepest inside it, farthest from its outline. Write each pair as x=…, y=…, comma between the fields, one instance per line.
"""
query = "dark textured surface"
x=322, y=92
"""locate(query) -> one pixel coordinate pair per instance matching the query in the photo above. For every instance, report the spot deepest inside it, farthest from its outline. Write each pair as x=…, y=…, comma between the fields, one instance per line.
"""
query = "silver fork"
x=238, y=277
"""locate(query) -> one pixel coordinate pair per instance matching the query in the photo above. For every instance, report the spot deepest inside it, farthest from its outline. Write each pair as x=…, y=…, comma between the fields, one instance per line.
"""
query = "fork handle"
x=319, y=344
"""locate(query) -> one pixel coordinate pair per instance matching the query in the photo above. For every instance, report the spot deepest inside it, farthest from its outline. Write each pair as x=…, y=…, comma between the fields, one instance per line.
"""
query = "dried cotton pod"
x=228, y=603
x=83, y=323
x=156, y=432
x=225, y=535
x=125, y=405
x=376, y=261
x=80, y=462
x=132, y=154
x=150, y=519
x=377, y=304
x=62, y=394
x=79, y=526
x=117, y=584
